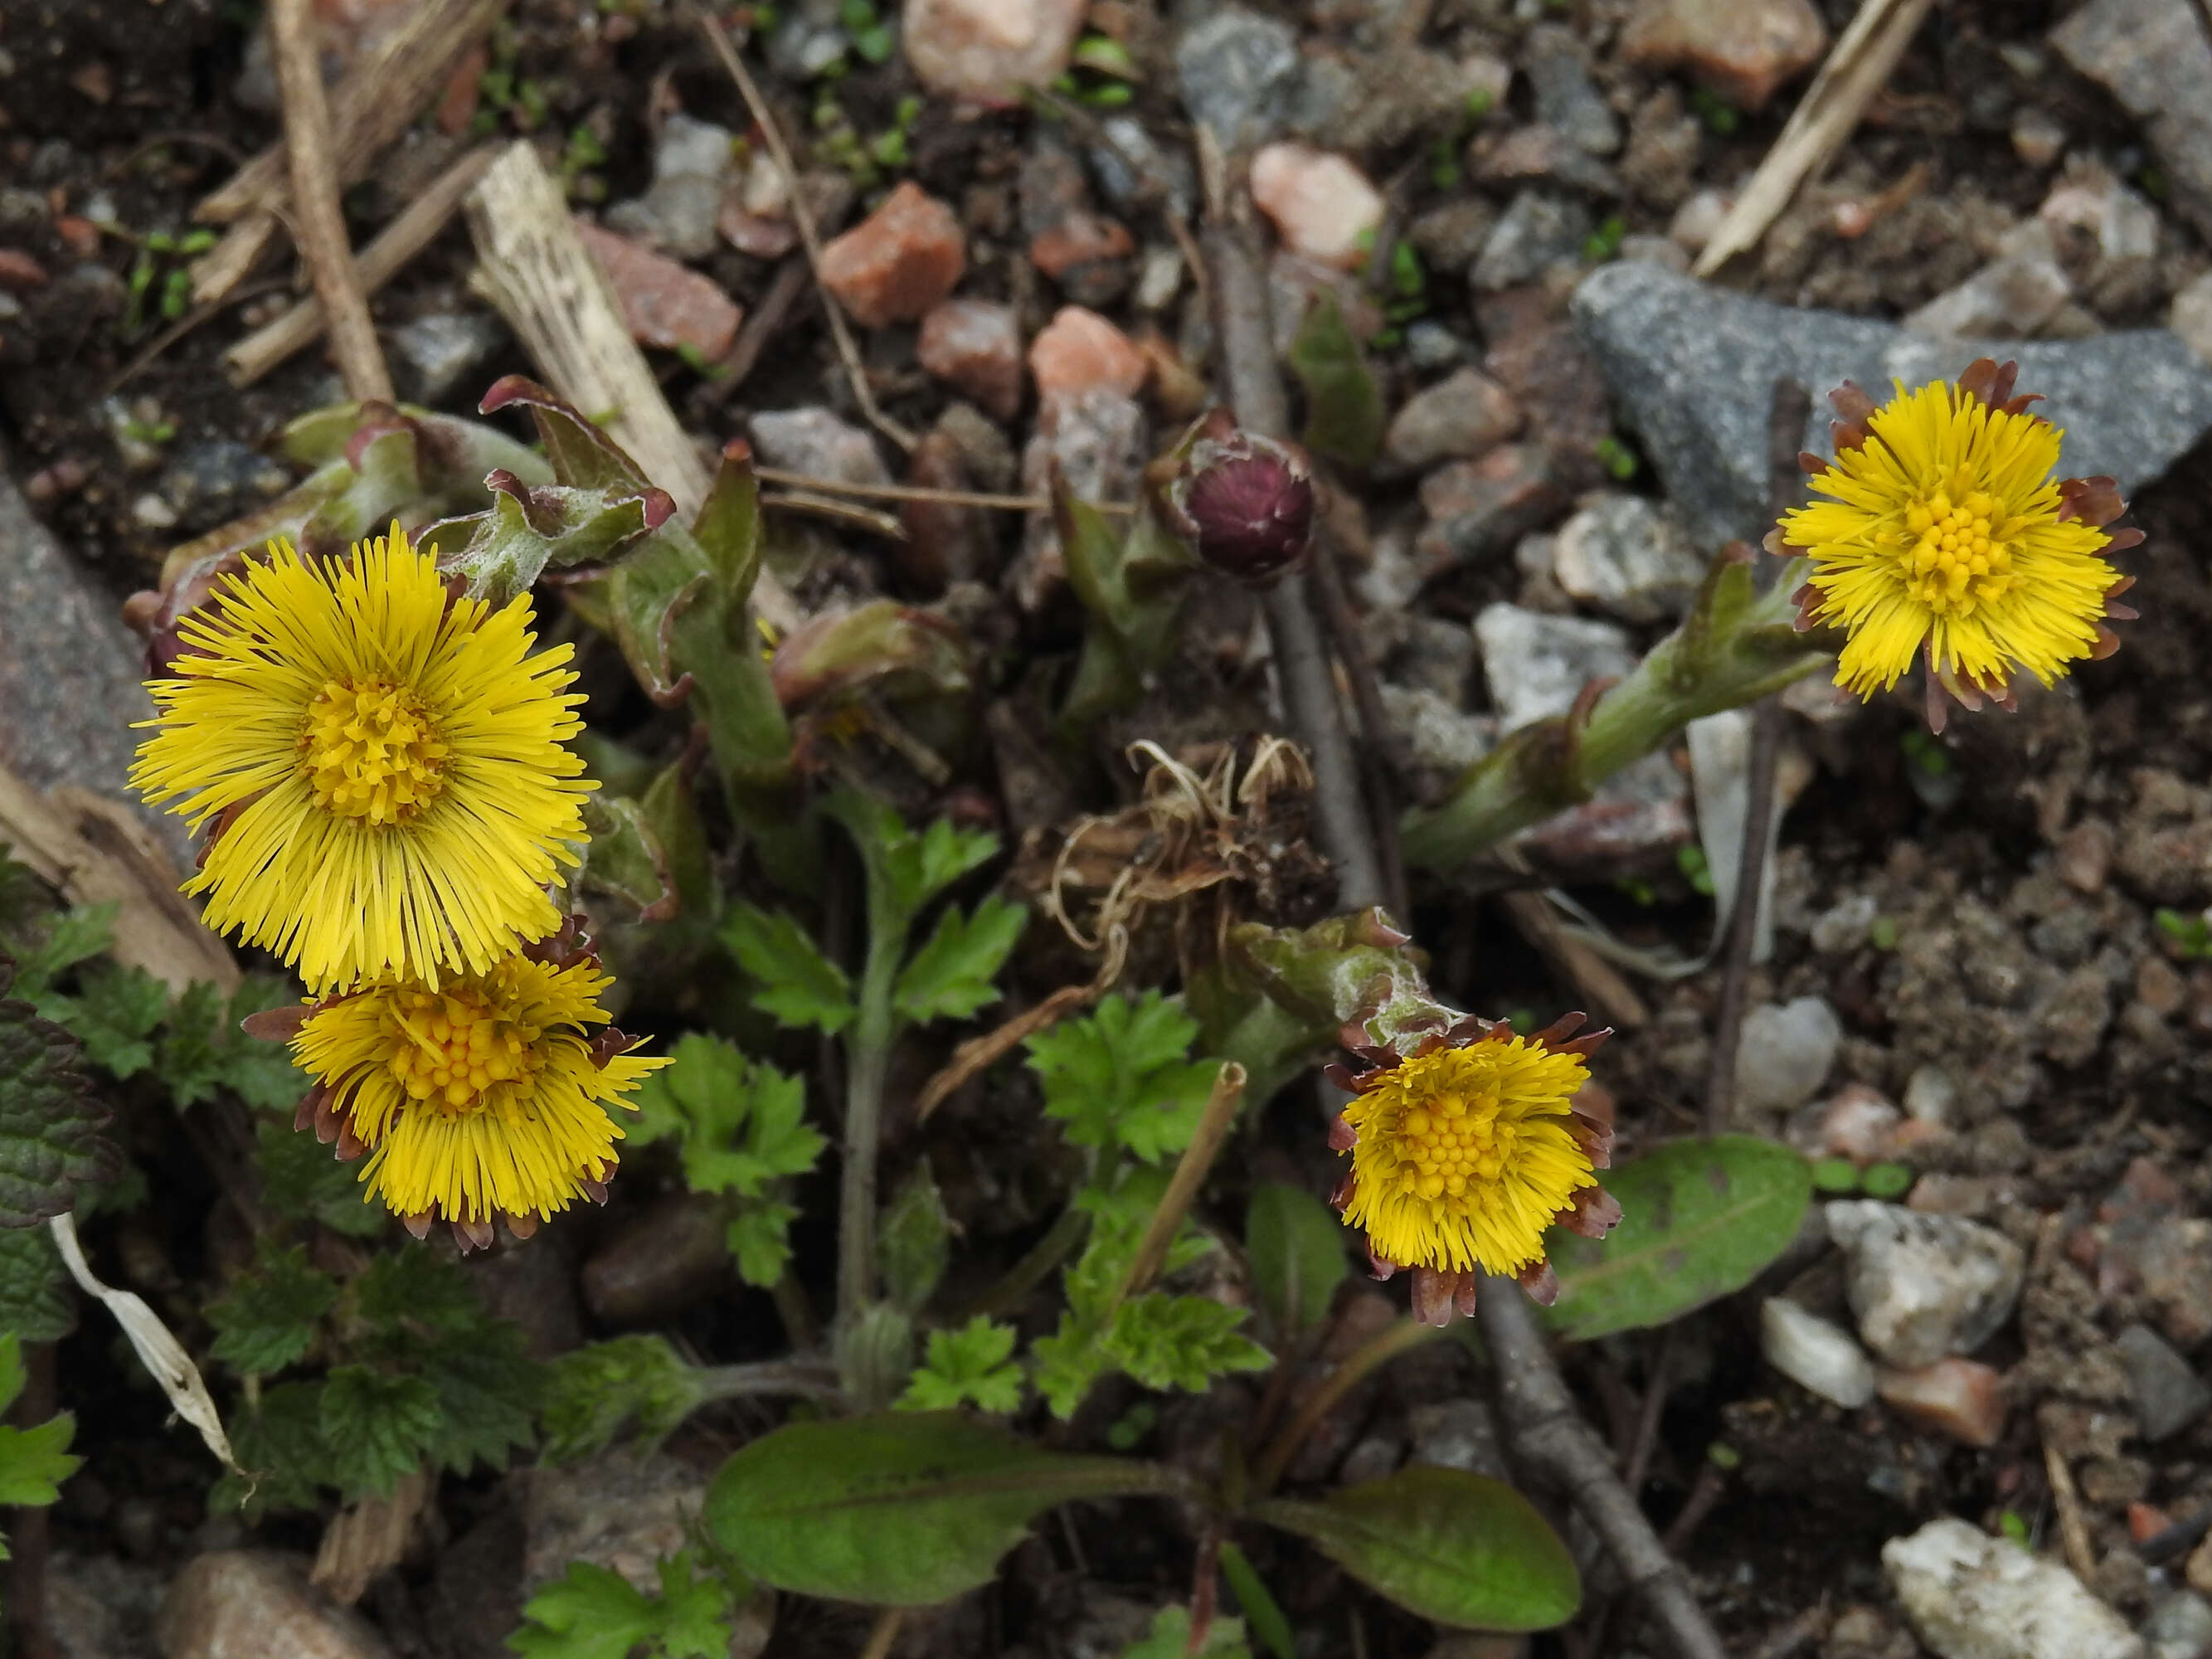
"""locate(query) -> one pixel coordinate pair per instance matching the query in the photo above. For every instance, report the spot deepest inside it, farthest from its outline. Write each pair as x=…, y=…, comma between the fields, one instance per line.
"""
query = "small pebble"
x=1322, y=206
x=897, y=263
x=1079, y=350
x=1961, y=1398
x=1811, y=1351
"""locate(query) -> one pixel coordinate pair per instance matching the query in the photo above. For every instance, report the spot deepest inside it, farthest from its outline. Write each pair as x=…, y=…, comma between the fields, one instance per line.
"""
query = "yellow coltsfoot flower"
x=384, y=764
x=1947, y=538
x=1464, y=1152
x=486, y=1096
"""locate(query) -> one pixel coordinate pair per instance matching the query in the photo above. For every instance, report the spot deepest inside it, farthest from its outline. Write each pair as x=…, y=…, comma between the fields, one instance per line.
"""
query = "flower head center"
x=450, y=1047
x=1957, y=554
x=1455, y=1139
x=370, y=752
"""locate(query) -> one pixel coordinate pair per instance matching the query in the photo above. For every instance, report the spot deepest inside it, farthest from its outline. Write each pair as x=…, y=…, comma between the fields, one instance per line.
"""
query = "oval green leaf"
x=900, y=1510
x=1699, y=1218
x=1459, y=1548
x=1296, y=1246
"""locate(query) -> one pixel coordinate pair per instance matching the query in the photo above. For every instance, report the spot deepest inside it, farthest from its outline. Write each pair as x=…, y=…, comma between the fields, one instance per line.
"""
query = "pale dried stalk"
x=802, y=216
x=1823, y=118
x=538, y=271
x=1183, y=1187
x=365, y=1537
x=411, y=230
x=318, y=226
x=378, y=99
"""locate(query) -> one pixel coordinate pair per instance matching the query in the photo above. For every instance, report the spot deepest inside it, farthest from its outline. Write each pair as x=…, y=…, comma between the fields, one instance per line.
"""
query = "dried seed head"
x=1245, y=503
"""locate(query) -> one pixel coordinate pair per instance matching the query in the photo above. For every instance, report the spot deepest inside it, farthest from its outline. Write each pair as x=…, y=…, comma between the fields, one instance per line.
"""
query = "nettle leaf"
x=1296, y=1243
x=795, y=982
x=740, y=1123
x=594, y=1612
x=34, y=1462
x=489, y=1390
x=1456, y=1547
x=969, y=1366
x=955, y=972
x=596, y=1391
x=44, y=953
x=302, y=1180
x=279, y=1443
x=35, y=1301
x=1118, y=1076
x=266, y=1320
x=413, y=1291
x=1699, y=1219
x=115, y=1014
x=376, y=1427
x=50, y=1140
x=896, y=1509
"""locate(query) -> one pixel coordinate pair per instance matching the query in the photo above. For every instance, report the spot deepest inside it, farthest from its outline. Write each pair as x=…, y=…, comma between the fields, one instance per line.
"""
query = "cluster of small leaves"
x=594, y=1612
x=594, y=1393
x=418, y=1373
x=971, y=1366
x=1119, y=1078
x=34, y=1462
x=740, y=1130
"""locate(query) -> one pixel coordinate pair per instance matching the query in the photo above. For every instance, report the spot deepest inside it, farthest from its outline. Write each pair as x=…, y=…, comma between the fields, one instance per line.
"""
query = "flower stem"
x=1736, y=646
x=1376, y=1352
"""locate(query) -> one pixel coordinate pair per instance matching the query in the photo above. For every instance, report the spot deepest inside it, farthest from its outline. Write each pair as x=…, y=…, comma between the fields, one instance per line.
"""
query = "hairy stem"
x=867, y=1058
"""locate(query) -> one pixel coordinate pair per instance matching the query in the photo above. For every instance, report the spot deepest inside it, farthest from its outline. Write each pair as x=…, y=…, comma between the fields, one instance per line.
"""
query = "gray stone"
x=212, y=483
x=1439, y=736
x=1237, y=71
x=437, y=355
x=2152, y=55
x=1122, y=185
x=1325, y=91
x=2190, y=317
x=1693, y=368
x=2168, y=1394
x=100, y=1607
x=1539, y=231
x=1815, y=1353
x=1784, y=1054
x=691, y=166
x=70, y=671
x=1972, y=1596
x=1456, y=1434
x=1930, y=1096
x=818, y=443
x=2010, y=298
x=1566, y=98
x=1462, y=416
x=1432, y=345
x=1100, y=440
x=1924, y=1286
x=1625, y=556
x=241, y=1604
x=1536, y=665
x=2179, y=1627
x=1450, y=237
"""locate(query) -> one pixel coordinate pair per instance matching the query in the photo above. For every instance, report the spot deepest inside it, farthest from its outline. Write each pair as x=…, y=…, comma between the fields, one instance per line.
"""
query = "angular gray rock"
x=1691, y=370
x=1924, y=1286
x=818, y=443
x=1972, y=1596
x=1623, y=554
x=1537, y=664
x=2168, y=1395
x=2152, y=55
x=1566, y=98
x=1237, y=71
x=1539, y=230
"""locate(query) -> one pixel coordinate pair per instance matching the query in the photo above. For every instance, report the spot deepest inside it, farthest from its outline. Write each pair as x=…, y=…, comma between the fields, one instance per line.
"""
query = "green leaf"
x=376, y=1427
x=50, y=1125
x=594, y=1612
x=35, y=1300
x=1296, y=1243
x=914, y=1241
x=625, y=859
x=969, y=1366
x=1118, y=1076
x=898, y=1509
x=34, y=1462
x=759, y=1238
x=69, y=937
x=1169, y=1639
x=1344, y=406
x=1265, y=1617
x=1699, y=1218
x=796, y=983
x=637, y=1381
x=489, y=1391
x=953, y=974
x=1456, y=1548
x=412, y=1292
x=113, y=1015
x=1183, y=1342
x=906, y=869
x=302, y=1180
x=740, y=1124
x=190, y=1062
x=280, y=1445
x=266, y=1320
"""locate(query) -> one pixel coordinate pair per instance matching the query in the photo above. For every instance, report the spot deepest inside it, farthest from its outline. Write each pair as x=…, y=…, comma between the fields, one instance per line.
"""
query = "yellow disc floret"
x=1465, y=1154
x=1946, y=534
x=483, y=1097
x=384, y=765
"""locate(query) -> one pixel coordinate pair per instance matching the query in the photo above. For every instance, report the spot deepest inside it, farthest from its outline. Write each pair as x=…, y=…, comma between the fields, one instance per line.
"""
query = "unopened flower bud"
x=1246, y=504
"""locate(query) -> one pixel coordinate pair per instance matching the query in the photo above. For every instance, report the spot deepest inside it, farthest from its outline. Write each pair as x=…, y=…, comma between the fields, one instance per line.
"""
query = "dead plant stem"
x=1183, y=1187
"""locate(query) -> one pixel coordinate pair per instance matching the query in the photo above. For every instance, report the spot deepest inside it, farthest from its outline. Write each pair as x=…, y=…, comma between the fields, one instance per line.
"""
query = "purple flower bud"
x=1246, y=504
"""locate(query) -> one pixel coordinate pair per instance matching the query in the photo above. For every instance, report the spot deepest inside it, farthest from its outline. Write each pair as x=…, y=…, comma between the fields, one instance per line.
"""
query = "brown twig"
x=1336, y=615
x=411, y=230
x=317, y=222
x=762, y=323
x=1244, y=340
x=802, y=216
x=1548, y=1435
x=1592, y=979
x=1704, y=1493
x=895, y=492
x=2073, y=1525
x=1183, y=1187
x=1785, y=429
x=1806, y=1628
